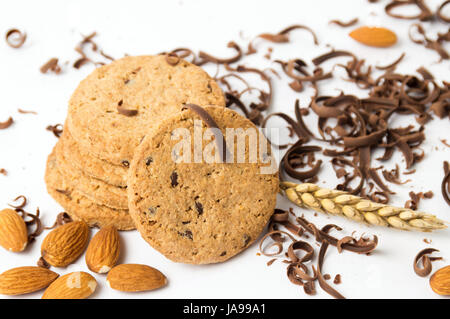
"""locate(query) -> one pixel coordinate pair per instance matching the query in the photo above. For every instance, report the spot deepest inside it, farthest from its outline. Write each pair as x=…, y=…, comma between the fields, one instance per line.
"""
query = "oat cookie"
x=80, y=207
x=198, y=212
x=96, y=190
x=146, y=85
x=115, y=175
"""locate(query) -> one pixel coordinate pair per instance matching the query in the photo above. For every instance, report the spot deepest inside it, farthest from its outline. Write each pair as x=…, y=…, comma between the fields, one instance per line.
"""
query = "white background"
x=149, y=27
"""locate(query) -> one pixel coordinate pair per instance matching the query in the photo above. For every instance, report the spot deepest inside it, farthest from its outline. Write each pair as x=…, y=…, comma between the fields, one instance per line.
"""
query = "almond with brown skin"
x=65, y=244
x=76, y=285
x=103, y=250
x=24, y=280
x=13, y=231
x=134, y=278
x=440, y=281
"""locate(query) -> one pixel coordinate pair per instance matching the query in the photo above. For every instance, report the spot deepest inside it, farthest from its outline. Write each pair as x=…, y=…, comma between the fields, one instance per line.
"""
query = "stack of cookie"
x=109, y=114
x=118, y=160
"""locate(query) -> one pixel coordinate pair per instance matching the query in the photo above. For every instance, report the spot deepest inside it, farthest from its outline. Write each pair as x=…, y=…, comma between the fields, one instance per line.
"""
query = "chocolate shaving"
x=8, y=123
x=300, y=245
x=360, y=246
x=55, y=129
x=124, y=111
x=209, y=58
x=322, y=282
x=26, y=112
x=424, y=15
x=426, y=268
x=61, y=219
x=211, y=123
x=393, y=64
x=51, y=65
x=345, y=24
x=35, y=220
x=23, y=202
x=174, y=179
x=427, y=42
x=15, y=38
x=281, y=37
x=337, y=279
x=393, y=176
x=3, y=171
x=439, y=13
x=42, y=263
x=445, y=185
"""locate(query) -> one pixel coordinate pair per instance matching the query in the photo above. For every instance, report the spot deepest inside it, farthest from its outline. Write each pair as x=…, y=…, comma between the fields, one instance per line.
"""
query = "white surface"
x=148, y=27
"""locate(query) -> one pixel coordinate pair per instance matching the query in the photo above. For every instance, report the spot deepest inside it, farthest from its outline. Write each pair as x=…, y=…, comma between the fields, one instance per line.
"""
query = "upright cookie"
x=80, y=207
x=115, y=175
x=202, y=212
x=117, y=105
x=96, y=190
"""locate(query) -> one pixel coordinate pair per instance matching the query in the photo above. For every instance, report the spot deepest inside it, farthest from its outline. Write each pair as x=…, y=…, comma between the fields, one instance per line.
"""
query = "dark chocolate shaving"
x=209, y=58
x=55, y=129
x=211, y=123
x=7, y=123
x=174, y=179
x=424, y=14
x=61, y=219
x=26, y=112
x=15, y=38
x=124, y=111
x=322, y=282
x=345, y=24
x=422, y=256
x=51, y=65
x=281, y=37
x=393, y=64
x=23, y=202
x=445, y=185
x=439, y=13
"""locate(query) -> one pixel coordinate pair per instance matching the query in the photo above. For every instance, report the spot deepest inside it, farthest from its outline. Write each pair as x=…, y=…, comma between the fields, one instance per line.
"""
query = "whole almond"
x=76, y=285
x=440, y=281
x=24, y=280
x=65, y=244
x=374, y=36
x=103, y=250
x=134, y=277
x=13, y=231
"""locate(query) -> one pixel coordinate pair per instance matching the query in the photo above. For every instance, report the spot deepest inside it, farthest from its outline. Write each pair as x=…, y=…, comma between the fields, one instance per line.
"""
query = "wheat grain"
x=359, y=209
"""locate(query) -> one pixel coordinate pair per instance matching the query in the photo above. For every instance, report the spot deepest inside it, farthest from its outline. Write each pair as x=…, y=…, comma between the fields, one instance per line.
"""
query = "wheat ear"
x=357, y=208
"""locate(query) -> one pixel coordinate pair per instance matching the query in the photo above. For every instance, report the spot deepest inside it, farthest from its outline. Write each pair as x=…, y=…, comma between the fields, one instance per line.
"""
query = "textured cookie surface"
x=198, y=212
x=145, y=84
x=96, y=190
x=80, y=207
x=115, y=175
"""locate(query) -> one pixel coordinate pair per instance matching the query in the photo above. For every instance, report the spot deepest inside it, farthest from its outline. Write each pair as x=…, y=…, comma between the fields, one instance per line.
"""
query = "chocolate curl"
x=209, y=121
x=15, y=38
x=424, y=15
x=445, y=185
x=426, y=268
x=209, y=58
x=7, y=123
